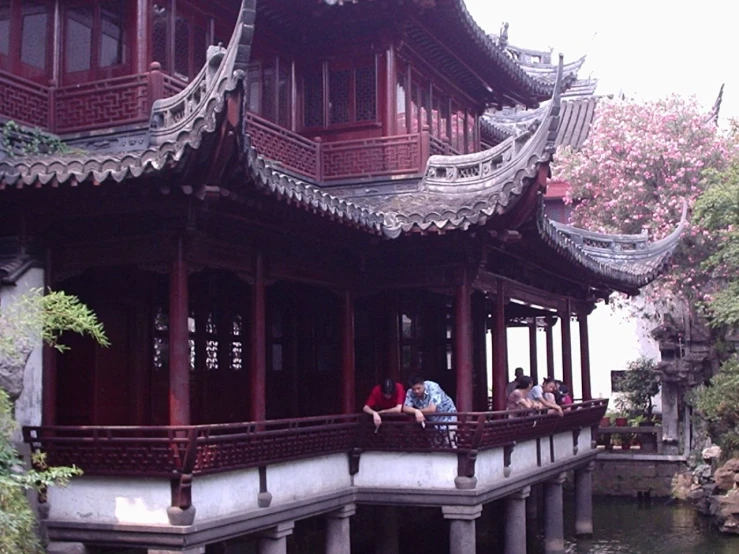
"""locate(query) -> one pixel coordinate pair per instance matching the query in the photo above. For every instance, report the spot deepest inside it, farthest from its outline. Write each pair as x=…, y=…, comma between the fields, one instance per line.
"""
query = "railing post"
x=51, y=113
x=319, y=159
x=155, y=84
x=425, y=150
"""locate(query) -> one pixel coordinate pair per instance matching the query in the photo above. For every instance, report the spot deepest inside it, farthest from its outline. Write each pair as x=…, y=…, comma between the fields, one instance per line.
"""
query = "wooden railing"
x=200, y=449
x=88, y=106
x=334, y=161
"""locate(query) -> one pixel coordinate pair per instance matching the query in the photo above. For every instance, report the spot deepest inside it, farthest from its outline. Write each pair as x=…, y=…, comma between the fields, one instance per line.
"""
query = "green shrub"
x=718, y=404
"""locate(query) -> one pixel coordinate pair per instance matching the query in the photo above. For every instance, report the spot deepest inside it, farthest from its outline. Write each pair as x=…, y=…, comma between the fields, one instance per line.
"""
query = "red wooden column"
x=48, y=357
x=550, y=346
x=533, y=353
x=463, y=342
x=479, y=330
x=392, y=343
x=179, y=339
x=582, y=319
x=500, y=349
x=258, y=362
x=566, y=345
x=348, y=401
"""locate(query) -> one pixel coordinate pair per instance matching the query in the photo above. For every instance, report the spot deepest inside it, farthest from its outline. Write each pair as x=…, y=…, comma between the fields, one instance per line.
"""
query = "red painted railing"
x=334, y=161
x=201, y=449
x=87, y=106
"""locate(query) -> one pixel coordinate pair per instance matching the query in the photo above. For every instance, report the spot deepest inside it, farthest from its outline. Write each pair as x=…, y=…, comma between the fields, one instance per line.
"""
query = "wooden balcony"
x=84, y=107
x=391, y=157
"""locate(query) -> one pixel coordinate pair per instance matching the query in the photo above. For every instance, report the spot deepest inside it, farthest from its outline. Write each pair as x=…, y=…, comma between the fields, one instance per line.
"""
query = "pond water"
x=622, y=526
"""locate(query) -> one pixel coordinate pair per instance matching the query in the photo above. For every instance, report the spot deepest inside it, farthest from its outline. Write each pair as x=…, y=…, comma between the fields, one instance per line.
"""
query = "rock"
x=682, y=485
x=724, y=475
x=11, y=377
x=702, y=474
x=725, y=512
x=711, y=452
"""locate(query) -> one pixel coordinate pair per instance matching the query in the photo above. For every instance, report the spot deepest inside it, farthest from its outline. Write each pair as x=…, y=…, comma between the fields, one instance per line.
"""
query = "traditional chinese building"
x=271, y=205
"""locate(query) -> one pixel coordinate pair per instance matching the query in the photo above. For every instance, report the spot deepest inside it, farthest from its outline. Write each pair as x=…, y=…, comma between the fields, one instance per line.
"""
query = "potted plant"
x=639, y=384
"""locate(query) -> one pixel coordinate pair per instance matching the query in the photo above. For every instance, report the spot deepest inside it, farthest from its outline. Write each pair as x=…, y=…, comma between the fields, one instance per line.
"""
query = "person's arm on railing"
x=375, y=415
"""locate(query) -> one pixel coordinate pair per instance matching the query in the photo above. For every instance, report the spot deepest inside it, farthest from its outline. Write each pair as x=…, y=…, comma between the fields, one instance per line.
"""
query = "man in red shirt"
x=385, y=398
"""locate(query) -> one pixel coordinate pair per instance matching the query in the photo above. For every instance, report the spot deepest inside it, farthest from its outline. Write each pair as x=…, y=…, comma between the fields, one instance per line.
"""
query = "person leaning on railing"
x=544, y=395
x=425, y=398
x=518, y=398
x=386, y=398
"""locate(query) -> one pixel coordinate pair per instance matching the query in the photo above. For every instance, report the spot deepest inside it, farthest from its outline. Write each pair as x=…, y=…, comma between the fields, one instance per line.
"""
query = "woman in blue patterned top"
x=425, y=398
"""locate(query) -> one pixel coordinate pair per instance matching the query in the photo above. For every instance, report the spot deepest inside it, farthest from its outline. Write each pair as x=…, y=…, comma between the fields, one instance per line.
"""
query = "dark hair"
x=518, y=369
x=415, y=380
x=523, y=382
x=547, y=380
x=387, y=386
x=564, y=389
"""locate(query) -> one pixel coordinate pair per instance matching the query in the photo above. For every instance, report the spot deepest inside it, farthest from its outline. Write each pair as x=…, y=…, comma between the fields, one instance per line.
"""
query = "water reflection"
x=624, y=527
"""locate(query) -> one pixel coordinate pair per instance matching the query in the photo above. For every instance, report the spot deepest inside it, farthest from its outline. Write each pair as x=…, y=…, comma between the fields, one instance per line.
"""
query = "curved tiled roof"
x=629, y=260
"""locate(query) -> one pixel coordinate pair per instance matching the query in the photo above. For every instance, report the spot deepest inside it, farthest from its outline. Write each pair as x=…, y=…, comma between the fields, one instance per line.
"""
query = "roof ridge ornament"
x=503, y=36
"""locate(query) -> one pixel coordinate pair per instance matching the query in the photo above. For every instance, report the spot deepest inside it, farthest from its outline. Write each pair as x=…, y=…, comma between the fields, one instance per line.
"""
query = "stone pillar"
x=500, y=347
x=533, y=353
x=463, y=343
x=258, y=361
x=348, y=402
x=515, y=522
x=532, y=503
x=388, y=535
x=670, y=417
x=587, y=393
x=274, y=541
x=584, y=501
x=179, y=339
x=338, y=535
x=550, y=346
x=462, y=527
x=554, y=541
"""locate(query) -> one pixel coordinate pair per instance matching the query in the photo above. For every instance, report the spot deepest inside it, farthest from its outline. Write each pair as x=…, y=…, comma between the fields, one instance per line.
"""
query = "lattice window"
x=5, y=27
x=160, y=347
x=112, y=33
x=283, y=93
x=313, y=100
x=268, y=93
x=78, y=43
x=182, y=48
x=211, y=343
x=35, y=20
x=191, y=329
x=366, y=94
x=339, y=96
x=278, y=339
x=160, y=34
x=254, y=91
x=200, y=45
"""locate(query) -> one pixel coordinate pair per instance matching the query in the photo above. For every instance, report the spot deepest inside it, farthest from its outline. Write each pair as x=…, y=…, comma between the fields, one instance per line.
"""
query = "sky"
x=646, y=49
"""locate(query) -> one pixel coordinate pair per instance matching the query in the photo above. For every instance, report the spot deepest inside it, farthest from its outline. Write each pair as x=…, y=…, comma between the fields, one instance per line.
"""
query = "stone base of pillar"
x=193, y=550
x=584, y=501
x=180, y=517
x=274, y=541
x=66, y=548
x=462, y=536
x=338, y=532
x=515, y=522
x=554, y=542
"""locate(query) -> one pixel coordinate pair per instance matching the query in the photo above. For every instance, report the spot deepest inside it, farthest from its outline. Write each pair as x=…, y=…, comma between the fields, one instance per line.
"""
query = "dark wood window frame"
x=12, y=60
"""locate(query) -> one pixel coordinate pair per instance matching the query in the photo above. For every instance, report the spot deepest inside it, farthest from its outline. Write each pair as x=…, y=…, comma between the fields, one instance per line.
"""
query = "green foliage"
x=640, y=383
x=16, y=141
x=717, y=210
x=718, y=404
x=17, y=521
x=37, y=316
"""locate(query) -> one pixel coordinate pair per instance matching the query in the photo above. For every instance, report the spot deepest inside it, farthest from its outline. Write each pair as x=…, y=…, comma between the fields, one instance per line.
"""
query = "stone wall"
x=629, y=475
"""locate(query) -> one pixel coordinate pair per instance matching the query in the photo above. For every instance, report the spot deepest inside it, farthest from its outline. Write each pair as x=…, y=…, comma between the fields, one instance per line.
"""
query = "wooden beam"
x=480, y=335
x=566, y=346
x=179, y=344
x=348, y=401
x=258, y=361
x=500, y=346
x=550, y=346
x=463, y=343
x=584, y=358
x=533, y=352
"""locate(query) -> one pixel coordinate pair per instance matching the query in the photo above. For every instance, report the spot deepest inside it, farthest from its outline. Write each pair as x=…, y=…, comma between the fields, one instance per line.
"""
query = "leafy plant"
x=17, y=141
x=639, y=384
x=718, y=404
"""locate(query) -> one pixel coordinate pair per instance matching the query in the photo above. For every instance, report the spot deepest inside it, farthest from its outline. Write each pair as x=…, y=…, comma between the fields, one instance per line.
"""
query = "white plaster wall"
x=546, y=457
x=407, y=470
x=225, y=493
x=523, y=457
x=489, y=467
x=616, y=338
x=301, y=479
x=28, y=405
x=112, y=500
x=563, y=446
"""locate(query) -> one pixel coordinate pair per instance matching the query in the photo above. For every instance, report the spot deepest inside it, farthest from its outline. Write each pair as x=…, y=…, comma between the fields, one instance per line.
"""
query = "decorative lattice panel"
x=102, y=103
x=24, y=102
x=386, y=156
x=339, y=99
x=366, y=94
x=275, y=143
x=313, y=103
x=160, y=34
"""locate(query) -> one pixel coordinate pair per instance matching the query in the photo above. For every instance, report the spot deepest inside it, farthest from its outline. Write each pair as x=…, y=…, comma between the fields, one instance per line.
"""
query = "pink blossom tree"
x=641, y=161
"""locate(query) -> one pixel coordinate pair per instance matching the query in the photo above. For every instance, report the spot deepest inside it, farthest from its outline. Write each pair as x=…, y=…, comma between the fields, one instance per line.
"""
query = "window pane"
x=283, y=94
x=78, y=43
x=268, y=92
x=159, y=35
x=112, y=33
x=34, y=29
x=200, y=49
x=5, y=27
x=339, y=96
x=365, y=94
x=313, y=103
x=182, y=48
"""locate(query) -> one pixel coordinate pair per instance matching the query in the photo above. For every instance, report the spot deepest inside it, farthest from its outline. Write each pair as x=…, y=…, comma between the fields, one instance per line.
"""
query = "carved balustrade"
x=201, y=449
x=285, y=148
x=83, y=107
